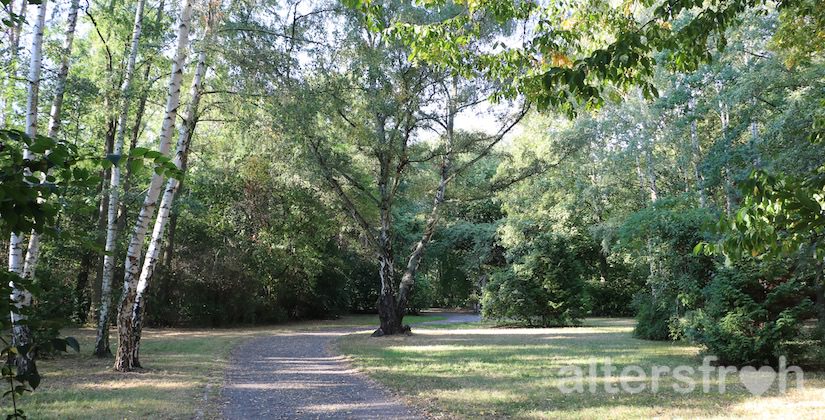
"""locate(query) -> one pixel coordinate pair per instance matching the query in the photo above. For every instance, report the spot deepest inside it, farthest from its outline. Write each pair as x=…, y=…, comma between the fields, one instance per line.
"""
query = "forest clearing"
x=412, y=209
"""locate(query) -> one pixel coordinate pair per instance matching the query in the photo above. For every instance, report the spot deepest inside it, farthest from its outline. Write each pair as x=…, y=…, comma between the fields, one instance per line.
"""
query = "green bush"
x=543, y=287
x=614, y=296
x=753, y=311
x=653, y=318
x=423, y=295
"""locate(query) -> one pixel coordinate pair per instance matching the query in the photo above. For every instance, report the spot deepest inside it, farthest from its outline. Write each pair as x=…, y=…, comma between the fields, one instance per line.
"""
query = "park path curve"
x=295, y=375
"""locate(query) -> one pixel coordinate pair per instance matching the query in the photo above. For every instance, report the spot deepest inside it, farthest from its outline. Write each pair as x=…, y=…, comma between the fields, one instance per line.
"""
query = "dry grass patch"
x=474, y=372
x=182, y=375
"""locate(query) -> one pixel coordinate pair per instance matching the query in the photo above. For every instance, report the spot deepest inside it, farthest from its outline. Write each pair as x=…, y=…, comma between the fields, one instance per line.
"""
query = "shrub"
x=543, y=287
x=753, y=310
x=423, y=295
x=653, y=318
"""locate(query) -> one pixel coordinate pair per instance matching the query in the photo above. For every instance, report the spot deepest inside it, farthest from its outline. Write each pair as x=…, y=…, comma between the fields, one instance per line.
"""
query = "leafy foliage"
x=753, y=312
x=543, y=287
x=34, y=173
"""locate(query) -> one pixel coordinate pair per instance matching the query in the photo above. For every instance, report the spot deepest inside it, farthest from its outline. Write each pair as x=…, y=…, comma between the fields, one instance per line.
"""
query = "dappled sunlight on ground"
x=806, y=403
x=183, y=368
x=182, y=376
x=510, y=372
x=138, y=383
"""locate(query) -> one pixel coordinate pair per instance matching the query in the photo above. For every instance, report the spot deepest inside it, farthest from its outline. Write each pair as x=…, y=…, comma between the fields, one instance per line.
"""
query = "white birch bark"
x=124, y=360
x=724, y=116
x=724, y=120
x=697, y=153
x=757, y=158
x=14, y=41
x=33, y=250
x=21, y=334
x=155, y=243
x=16, y=241
x=102, y=342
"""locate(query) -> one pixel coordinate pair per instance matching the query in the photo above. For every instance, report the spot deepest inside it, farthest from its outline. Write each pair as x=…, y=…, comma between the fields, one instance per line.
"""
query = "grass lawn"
x=182, y=376
x=475, y=371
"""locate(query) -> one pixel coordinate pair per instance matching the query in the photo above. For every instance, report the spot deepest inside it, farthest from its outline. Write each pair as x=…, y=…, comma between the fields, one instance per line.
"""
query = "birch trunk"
x=137, y=126
x=651, y=171
x=187, y=128
x=102, y=340
x=757, y=156
x=33, y=250
x=14, y=40
x=697, y=154
x=724, y=120
x=124, y=361
x=21, y=334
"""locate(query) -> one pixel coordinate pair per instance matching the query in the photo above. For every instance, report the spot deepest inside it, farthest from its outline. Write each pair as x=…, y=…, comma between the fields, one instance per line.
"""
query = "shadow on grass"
x=517, y=373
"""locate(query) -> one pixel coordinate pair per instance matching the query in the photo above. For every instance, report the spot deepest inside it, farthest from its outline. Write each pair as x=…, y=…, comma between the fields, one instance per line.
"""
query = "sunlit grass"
x=476, y=371
x=183, y=369
x=182, y=375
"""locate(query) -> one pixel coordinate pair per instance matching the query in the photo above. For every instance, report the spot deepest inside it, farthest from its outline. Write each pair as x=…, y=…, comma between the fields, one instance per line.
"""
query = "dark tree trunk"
x=389, y=313
x=126, y=351
x=94, y=306
x=604, y=268
x=21, y=338
x=169, y=249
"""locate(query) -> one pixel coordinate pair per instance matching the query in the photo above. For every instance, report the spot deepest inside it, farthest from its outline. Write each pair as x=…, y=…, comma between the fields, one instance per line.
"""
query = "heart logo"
x=757, y=381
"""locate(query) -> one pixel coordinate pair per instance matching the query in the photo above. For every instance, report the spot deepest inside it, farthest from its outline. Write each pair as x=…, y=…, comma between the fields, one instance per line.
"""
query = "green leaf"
x=115, y=159
x=73, y=343
x=138, y=151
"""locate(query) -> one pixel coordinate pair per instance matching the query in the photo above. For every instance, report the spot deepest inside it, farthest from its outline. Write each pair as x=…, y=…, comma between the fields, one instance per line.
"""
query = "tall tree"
x=22, y=298
x=15, y=30
x=185, y=133
x=124, y=360
x=102, y=340
x=139, y=122
x=382, y=128
x=33, y=250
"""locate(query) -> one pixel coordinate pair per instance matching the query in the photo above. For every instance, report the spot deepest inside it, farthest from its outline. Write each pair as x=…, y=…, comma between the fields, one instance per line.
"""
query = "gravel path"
x=295, y=375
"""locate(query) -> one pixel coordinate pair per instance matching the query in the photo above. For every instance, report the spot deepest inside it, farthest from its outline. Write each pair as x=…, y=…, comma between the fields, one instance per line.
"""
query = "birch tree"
x=124, y=361
x=138, y=124
x=15, y=31
x=185, y=134
x=697, y=151
x=33, y=250
x=102, y=340
x=21, y=334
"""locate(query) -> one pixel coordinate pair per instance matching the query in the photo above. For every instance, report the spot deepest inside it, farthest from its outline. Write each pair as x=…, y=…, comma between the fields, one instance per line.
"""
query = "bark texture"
x=122, y=213
x=33, y=250
x=125, y=361
x=102, y=340
x=150, y=262
x=14, y=46
x=22, y=298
